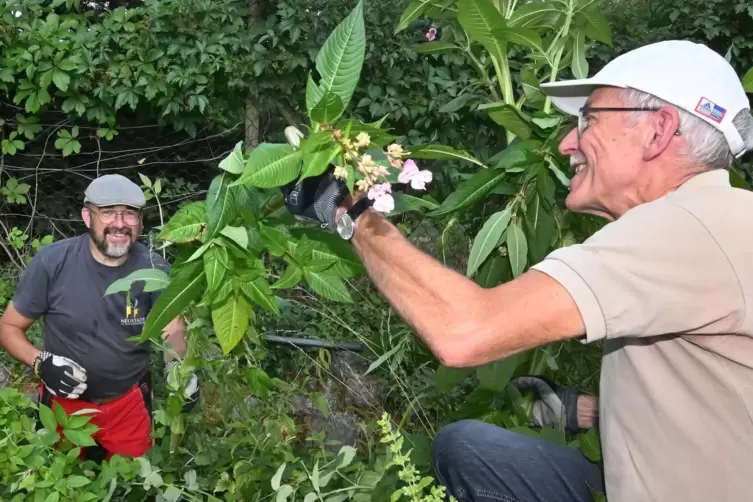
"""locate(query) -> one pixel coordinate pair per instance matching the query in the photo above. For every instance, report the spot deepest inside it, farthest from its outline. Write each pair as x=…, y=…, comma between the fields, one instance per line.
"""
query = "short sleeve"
x=657, y=270
x=30, y=298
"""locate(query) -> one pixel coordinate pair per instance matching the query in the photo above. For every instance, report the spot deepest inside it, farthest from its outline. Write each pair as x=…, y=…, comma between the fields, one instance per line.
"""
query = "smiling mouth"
x=578, y=168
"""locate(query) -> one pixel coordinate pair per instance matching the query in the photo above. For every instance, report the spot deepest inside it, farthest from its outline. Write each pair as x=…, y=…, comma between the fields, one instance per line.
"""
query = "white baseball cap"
x=689, y=75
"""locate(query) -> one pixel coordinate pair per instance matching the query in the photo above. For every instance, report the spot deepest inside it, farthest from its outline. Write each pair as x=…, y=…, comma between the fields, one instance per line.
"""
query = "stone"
x=4, y=376
x=361, y=391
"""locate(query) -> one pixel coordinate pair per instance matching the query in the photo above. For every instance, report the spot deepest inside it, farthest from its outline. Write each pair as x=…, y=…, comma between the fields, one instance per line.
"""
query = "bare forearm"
x=14, y=341
x=588, y=411
x=427, y=295
x=174, y=336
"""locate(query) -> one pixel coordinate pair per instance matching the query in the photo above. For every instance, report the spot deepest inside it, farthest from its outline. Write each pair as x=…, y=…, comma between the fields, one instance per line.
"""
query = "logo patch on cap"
x=710, y=109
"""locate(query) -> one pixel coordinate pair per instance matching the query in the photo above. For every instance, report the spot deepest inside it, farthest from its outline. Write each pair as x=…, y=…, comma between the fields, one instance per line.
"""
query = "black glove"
x=61, y=376
x=192, y=390
x=316, y=197
x=556, y=405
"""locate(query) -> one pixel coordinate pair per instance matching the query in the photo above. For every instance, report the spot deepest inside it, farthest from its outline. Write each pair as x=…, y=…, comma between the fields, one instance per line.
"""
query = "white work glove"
x=61, y=376
x=556, y=405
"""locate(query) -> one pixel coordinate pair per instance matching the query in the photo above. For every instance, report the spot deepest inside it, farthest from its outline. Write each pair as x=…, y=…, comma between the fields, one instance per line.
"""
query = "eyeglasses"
x=583, y=112
x=107, y=216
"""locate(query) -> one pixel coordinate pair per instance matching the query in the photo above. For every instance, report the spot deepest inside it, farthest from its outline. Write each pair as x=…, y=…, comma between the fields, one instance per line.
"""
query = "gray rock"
x=361, y=391
x=4, y=376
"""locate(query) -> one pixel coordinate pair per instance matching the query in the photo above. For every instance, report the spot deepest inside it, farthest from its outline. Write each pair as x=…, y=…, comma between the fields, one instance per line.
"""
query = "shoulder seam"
x=729, y=261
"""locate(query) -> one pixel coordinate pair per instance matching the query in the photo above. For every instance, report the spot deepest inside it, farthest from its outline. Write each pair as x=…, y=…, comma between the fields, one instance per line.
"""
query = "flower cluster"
x=371, y=177
x=431, y=34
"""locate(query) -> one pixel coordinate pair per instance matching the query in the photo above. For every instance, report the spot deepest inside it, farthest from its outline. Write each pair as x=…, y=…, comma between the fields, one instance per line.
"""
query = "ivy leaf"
x=517, y=247
x=67, y=142
x=185, y=287
x=260, y=293
x=470, y=191
x=271, y=165
x=234, y=163
x=186, y=224
x=215, y=267
x=480, y=19
x=220, y=206
x=488, y=238
x=339, y=61
x=230, y=320
x=327, y=285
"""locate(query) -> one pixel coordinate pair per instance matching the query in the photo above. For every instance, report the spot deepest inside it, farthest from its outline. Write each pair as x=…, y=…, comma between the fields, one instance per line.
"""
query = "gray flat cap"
x=114, y=190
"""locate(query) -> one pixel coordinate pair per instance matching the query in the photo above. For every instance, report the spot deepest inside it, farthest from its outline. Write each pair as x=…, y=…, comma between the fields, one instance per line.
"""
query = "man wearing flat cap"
x=87, y=360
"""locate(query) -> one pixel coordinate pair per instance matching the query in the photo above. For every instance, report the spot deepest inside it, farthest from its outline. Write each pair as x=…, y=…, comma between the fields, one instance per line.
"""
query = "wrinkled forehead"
x=605, y=96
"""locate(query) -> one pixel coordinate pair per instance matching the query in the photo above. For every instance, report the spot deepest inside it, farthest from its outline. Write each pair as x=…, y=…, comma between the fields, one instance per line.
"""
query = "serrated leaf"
x=435, y=47
x=488, y=239
x=47, y=417
x=185, y=287
x=234, y=162
x=154, y=279
x=260, y=293
x=274, y=240
x=517, y=248
x=315, y=163
x=340, y=60
x=231, y=320
x=215, y=267
x=480, y=19
x=411, y=13
x=220, y=204
x=186, y=224
x=327, y=285
x=271, y=165
x=292, y=276
x=470, y=191
x=61, y=80
x=441, y=152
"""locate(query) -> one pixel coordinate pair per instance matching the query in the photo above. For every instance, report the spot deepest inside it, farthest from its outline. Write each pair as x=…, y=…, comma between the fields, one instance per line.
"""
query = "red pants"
x=125, y=424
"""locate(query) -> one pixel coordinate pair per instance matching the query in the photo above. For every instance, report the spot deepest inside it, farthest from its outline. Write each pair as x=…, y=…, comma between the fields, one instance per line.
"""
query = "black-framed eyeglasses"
x=108, y=216
x=583, y=123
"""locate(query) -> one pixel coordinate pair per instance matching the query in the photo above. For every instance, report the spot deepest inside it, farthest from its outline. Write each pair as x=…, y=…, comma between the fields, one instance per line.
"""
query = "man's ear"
x=664, y=126
x=86, y=215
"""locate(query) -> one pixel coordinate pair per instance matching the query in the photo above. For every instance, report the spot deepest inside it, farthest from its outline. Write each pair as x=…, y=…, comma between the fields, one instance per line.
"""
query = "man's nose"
x=569, y=144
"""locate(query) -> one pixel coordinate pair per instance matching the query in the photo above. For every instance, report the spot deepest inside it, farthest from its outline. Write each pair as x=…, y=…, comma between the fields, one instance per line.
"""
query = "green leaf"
x=61, y=80
x=590, y=445
x=216, y=263
x=185, y=287
x=292, y=276
x=154, y=280
x=231, y=320
x=76, y=481
x=234, y=162
x=239, y=235
x=258, y=381
x=411, y=13
x=509, y=118
x=339, y=61
x=447, y=378
x=435, y=47
x=47, y=417
x=327, y=246
x=748, y=81
x=579, y=65
x=78, y=438
x=327, y=285
x=496, y=375
x=274, y=240
x=470, y=191
x=493, y=272
x=480, y=19
x=533, y=15
x=328, y=110
x=405, y=203
x=271, y=165
x=384, y=357
x=221, y=208
x=488, y=238
x=597, y=26
x=315, y=163
x=321, y=402
x=526, y=37
x=737, y=180
x=275, y=481
x=186, y=224
x=517, y=248
x=441, y=152
x=260, y=293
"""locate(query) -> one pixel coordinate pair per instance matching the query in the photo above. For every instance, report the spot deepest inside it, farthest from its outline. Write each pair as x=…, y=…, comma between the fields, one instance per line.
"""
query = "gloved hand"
x=555, y=406
x=191, y=392
x=61, y=376
x=316, y=197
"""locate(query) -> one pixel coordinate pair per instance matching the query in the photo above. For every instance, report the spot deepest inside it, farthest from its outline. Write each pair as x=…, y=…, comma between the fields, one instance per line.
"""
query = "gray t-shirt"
x=66, y=285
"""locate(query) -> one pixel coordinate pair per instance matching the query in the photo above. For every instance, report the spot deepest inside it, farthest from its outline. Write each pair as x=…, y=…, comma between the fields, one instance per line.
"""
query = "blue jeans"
x=476, y=461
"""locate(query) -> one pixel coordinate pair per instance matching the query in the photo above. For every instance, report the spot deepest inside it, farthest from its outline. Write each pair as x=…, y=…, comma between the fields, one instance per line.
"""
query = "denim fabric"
x=481, y=462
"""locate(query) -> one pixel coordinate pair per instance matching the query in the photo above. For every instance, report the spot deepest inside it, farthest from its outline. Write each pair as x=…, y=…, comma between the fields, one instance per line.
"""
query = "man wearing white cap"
x=667, y=284
x=87, y=360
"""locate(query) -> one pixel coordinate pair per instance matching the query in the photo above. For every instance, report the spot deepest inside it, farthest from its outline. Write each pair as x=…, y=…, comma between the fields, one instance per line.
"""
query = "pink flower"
x=410, y=173
x=431, y=34
x=378, y=190
x=384, y=203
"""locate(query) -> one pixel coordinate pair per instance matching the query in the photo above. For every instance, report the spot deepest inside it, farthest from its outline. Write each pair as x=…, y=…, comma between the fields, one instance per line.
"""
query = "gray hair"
x=706, y=145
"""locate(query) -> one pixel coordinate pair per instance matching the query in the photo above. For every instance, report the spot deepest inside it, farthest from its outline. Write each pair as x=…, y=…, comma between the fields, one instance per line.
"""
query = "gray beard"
x=110, y=250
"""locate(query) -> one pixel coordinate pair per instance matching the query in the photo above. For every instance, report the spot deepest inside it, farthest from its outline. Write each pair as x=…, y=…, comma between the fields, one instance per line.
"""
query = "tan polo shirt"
x=669, y=288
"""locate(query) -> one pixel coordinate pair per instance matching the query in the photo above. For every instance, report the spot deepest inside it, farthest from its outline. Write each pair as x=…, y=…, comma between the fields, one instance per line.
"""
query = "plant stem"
x=483, y=73
x=502, y=69
x=558, y=57
x=161, y=220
